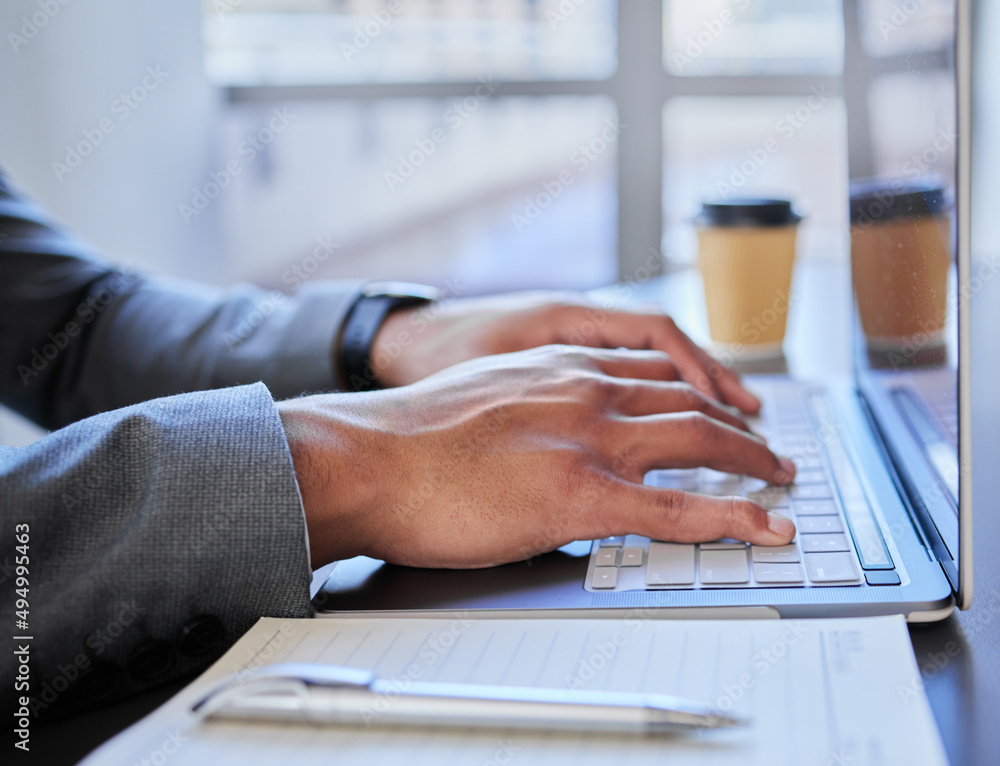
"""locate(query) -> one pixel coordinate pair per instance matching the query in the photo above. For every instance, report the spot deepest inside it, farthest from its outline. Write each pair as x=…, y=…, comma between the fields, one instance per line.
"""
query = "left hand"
x=417, y=342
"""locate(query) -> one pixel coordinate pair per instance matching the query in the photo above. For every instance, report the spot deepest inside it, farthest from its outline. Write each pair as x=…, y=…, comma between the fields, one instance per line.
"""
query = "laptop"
x=882, y=498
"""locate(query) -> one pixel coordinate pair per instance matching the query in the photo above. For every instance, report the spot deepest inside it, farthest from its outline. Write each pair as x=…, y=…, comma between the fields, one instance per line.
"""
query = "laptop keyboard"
x=837, y=542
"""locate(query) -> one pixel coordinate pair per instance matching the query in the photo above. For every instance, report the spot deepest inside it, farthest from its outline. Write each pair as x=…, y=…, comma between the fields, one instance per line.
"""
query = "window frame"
x=641, y=87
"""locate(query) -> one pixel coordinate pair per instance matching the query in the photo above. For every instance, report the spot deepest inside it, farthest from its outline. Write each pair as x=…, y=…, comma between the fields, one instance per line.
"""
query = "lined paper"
x=816, y=692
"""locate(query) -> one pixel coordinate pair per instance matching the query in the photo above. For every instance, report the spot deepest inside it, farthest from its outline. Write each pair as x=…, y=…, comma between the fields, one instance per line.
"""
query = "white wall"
x=68, y=78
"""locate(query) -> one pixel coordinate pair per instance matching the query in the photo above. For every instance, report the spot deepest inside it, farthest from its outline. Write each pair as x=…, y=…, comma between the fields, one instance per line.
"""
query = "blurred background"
x=480, y=145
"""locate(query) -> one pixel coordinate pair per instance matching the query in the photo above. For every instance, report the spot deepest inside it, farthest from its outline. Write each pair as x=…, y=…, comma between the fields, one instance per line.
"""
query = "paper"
x=817, y=692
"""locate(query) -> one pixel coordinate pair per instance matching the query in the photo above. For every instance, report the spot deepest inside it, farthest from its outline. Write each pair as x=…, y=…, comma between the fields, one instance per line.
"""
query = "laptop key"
x=882, y=577
x=711, y=476
x=867, y=537
x=831, y=567
x=606, y=557
x=814, y=507
x=812, y=492
x=807, y=462
x=824, y=543
x=771, y=498
x=610, y=542
x=727, y=544
x=604, y=577
x=750, y=485
x=733, y=486
x=811, y=525
x=684, y=479
x=778, y=554
x=724, y=567
x=810, y=476
x=670, y=564
x=778, y=573
x=632, y=557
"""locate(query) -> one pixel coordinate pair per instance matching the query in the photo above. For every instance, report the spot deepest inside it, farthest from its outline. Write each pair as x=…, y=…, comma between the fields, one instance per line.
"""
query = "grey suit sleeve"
x=155, y=536
x=78, y=336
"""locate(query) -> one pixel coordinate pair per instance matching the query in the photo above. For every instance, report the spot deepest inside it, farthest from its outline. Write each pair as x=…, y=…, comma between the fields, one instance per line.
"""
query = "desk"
x=960, y=656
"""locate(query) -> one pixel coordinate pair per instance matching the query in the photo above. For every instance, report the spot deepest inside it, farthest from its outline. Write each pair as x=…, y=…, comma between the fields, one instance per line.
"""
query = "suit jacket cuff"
x=151, y=527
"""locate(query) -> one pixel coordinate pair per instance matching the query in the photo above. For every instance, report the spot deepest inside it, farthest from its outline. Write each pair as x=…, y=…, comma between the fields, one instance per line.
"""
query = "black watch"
x=353, y=350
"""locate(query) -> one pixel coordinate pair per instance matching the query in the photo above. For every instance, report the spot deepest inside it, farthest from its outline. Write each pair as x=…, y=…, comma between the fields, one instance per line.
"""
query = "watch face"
x=401, y=290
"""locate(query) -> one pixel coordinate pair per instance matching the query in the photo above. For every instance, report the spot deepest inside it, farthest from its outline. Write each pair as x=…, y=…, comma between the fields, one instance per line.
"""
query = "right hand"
x=504, y=457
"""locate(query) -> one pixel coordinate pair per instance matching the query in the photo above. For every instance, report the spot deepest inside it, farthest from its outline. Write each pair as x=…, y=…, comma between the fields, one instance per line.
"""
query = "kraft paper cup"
x=901, y=235
x=746, y=254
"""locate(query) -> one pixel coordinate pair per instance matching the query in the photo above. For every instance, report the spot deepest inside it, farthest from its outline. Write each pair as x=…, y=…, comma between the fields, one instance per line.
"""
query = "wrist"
x=334, y=457
x=354, y=348
x=388, y=357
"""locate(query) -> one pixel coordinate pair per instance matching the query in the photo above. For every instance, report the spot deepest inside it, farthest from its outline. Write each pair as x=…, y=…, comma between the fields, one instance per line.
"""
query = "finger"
x=635, y=330
x=688, y=357
x=700, y=369
x=649, y=399
x=638, y=365
x=659, y=332
x=684, y=517
x=641, y=398
x=729, y=384
x=691, y=440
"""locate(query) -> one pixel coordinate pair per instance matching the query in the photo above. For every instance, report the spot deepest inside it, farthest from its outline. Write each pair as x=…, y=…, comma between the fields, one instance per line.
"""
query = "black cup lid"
x=747, y=212
x=882, y=199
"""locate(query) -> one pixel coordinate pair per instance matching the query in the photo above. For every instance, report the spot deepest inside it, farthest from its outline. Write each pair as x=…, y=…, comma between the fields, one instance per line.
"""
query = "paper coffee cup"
x=900, y=254
x=746, y=253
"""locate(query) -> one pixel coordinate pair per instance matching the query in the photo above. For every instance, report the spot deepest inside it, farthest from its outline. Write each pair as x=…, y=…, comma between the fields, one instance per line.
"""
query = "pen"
x=336, y=695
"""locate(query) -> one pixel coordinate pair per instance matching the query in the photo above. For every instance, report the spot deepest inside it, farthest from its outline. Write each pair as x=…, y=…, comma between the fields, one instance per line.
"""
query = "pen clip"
x=297, y=675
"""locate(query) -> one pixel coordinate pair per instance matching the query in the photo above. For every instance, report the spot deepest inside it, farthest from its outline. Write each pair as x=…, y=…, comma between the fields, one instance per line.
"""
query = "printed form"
x=826, y=692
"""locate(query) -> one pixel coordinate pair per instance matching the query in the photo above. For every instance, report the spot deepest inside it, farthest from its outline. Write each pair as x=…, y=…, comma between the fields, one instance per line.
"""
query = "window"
x=519, y=90
x=296, y=42
x=482, y=192
x=747, y=37
x=771, y=146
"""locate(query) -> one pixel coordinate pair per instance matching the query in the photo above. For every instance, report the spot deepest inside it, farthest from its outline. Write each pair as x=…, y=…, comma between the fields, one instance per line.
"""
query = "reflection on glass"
x=753, y=37
x=903, y=241
x=900, y=256
x=891, y=27
x=913, y=124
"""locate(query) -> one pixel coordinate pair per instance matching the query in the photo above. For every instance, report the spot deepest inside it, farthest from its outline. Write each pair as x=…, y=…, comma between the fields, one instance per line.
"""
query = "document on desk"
x=837, y=692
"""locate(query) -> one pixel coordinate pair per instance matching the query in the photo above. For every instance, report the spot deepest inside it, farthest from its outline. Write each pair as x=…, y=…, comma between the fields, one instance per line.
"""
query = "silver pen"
x=327, y=694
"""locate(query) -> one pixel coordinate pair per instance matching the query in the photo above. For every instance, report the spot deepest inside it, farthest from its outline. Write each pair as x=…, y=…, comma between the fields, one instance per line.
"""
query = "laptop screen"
x=905, y=194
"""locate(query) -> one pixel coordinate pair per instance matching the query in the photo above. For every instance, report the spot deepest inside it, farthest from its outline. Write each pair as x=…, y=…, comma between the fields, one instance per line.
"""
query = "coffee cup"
x=901, y=250
x=746, y=254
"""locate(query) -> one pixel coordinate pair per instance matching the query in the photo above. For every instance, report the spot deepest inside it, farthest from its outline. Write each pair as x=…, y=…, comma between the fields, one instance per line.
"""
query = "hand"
x=415, y=343
x=504, y=457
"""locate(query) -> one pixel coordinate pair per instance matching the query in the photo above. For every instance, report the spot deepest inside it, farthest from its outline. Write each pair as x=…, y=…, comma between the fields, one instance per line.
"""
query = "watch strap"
x=363, y=323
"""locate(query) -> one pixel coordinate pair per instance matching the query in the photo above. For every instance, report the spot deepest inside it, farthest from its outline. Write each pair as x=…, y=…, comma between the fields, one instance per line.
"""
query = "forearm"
x=79, y=337
x=164, y=337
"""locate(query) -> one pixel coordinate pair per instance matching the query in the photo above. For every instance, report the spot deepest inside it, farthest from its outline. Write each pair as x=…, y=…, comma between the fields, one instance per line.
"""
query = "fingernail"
x=780, y=525
x=786, y=471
